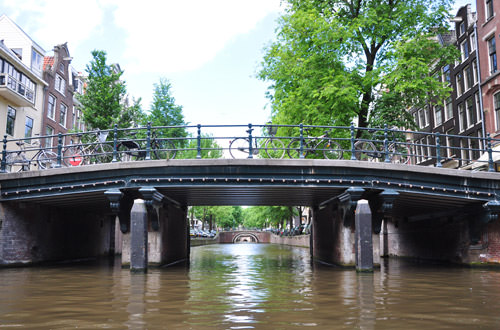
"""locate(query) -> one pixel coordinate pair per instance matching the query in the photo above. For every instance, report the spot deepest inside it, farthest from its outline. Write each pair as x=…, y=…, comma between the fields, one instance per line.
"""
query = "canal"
x=249, y=286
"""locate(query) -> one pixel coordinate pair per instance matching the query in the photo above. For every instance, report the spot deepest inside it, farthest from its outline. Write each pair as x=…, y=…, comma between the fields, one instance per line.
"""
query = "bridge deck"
x=253, y=182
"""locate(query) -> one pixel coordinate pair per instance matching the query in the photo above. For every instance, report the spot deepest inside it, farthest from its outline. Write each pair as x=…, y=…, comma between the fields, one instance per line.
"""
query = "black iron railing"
x=389, y=145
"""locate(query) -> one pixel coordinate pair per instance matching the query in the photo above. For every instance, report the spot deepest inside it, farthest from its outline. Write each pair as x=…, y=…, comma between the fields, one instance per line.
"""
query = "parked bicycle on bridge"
x=272, y=146
x=17, y=160
x=94, y=151
x=130, y=149
x=317, y=146
x=397, y=151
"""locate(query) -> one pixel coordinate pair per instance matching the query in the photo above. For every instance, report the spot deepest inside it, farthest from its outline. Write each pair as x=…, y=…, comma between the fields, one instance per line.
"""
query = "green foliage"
x=101, y=102
x=164, y=112
x=209, y=148
x=333, y=59
x=224, y=216
x=264, y=216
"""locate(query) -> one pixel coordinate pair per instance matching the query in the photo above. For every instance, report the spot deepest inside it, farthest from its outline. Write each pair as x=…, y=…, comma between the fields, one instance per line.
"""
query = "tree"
x=333, y=59
x=104, y=92
x=164, y=112
x=209, y=148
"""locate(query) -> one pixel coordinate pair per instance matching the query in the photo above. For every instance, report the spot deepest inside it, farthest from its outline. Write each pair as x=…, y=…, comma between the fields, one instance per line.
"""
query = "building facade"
x=488, y=29
x=21, y=83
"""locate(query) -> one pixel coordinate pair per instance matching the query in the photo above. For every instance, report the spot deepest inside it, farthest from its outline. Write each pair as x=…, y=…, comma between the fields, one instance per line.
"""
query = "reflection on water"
x=249, y=286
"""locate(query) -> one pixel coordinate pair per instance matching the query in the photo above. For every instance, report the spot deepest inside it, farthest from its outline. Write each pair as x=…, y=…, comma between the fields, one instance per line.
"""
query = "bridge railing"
x=389, y=145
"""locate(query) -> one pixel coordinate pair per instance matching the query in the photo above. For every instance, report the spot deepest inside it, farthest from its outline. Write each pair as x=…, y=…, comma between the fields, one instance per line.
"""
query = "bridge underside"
x=405, y=199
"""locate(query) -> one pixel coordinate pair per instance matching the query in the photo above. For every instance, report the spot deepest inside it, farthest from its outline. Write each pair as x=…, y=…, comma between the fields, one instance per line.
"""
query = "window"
x=474, y=72
x=422, y=118
x=415, y=118
x=472, y=42
x=36, y=61
x=462, y=117
x=429, y=147
x=496, y=99
x=62, y=115
x=60, y=84
x=492, y=50
x=469, y=80
x=462, y=28
x=446, y=73
x=478, y=108
x=48, y=141
x=460, y=84
x=11, y=119
x=51, y=107
x=469, y=110
x=448, y=109
x=489, y=9
x=449, y=141
x=438, y=115
x=464, y=50
x=61, y=67
x=28, y=127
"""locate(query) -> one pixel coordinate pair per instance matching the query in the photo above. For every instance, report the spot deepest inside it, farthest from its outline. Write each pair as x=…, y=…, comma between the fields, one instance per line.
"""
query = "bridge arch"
x=245, y=237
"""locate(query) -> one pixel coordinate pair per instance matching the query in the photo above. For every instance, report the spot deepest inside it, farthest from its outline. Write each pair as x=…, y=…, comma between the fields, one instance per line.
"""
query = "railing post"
x=438, y=150
x=59, y=150
x=301, y=148
x=3, y=166
x=386, y=146
x=250, y=148
x=490, y=155
x=198, y=147
x=353, y=156
x=115, y=143
x=148, y=142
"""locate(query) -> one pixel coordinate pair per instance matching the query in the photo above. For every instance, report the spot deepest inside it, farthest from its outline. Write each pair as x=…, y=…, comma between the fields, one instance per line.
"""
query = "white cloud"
x=56, y=21
x=173, y=36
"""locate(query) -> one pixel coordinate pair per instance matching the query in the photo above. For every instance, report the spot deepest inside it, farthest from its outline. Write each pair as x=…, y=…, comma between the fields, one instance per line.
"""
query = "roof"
x=35, y=45
x=48, y=62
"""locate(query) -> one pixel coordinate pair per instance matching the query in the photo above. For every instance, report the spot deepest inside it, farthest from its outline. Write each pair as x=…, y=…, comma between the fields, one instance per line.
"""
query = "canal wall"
x=31, y=234
x=442, y=239
x=300, y=240
x=200, y=241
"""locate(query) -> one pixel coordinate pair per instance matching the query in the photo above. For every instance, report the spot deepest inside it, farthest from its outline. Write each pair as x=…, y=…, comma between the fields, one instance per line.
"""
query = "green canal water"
x=249, y=286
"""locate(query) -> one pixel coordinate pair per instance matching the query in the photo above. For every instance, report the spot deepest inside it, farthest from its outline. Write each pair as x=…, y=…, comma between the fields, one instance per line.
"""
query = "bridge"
x=244, y=236
x=413, y=211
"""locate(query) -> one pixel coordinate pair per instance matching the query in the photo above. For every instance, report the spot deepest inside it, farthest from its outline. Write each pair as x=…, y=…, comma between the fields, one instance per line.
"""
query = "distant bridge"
x=244, y=236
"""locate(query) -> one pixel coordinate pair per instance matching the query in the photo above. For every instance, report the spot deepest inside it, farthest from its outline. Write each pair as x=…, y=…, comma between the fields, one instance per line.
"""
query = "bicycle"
x=398, y=152
x=161, y=148
x=43, y=158
x=96, y=151
x=312, y=145
x=239, y=148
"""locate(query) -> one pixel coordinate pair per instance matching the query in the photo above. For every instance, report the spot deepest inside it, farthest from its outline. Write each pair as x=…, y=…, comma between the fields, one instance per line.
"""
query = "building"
x=488, y=25
x=60, y=113
x=461, y=113
x=21, y=83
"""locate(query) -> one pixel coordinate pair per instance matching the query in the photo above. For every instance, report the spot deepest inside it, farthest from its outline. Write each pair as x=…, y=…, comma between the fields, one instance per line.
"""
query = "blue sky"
x=208, y=50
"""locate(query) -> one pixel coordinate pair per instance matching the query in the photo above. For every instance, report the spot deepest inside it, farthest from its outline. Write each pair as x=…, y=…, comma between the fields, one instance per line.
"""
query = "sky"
x=210, y=51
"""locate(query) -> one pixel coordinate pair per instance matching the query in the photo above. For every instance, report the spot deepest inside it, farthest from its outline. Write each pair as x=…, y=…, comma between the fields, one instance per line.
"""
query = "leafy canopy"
x=102, y=106
x=333, y=59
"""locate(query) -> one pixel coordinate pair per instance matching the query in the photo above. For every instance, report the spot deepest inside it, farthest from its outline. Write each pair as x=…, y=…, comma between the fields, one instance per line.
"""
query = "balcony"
x=15, y=91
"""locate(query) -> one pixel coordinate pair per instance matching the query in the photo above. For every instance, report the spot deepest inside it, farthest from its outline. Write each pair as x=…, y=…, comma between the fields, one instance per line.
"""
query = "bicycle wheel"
x=293, y=149
x=275, y=148
x=399, y=153
x=365, y=151
x=73, y=156
x=331, y=149
x=46, y=159
x=163, y=149
x=239, y=148
x=129, y=151
x=103, y=153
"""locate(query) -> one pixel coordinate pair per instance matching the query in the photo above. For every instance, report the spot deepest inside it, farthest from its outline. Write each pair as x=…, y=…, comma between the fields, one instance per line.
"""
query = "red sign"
x=75, y=160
